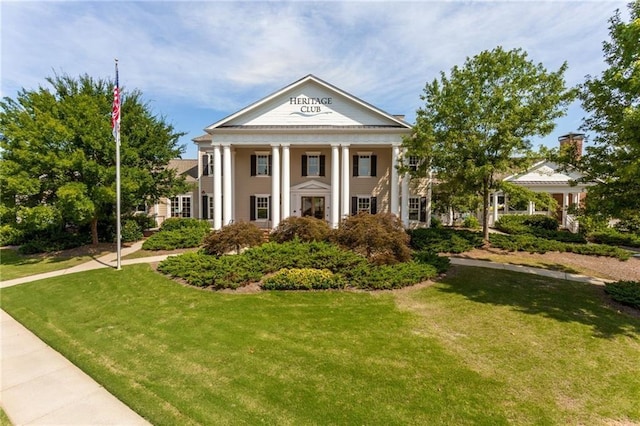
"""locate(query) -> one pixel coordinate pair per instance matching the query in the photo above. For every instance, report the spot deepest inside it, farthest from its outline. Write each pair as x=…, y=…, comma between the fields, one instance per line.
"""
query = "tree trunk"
x=94, y=231
x=485, y=213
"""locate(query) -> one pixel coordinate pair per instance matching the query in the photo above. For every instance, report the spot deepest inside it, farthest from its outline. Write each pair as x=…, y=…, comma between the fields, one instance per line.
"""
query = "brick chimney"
x=572, y=141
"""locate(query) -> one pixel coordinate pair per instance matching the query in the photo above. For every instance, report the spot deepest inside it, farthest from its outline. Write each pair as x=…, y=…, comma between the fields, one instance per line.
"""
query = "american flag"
x=115, y=111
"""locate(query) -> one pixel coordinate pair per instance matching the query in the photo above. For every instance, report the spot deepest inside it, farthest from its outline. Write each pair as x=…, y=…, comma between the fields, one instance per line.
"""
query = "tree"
x=476, y=123
x=613, y=102
x=57, y=149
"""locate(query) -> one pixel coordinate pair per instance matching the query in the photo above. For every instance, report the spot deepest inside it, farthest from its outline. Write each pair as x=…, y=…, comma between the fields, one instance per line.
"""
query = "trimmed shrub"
x=233, y=237
x=10, y=235
x=381, y=237
x=444, y=240
x=176, y=223
x=388, y=277
x=615, y=238
x=627, y=292
x=303, y=279
x=177, y=239
x=441, y=263
x=305, y=229
x=471, y=222
x=46, y=243
x=521, y=224
x=131, y=231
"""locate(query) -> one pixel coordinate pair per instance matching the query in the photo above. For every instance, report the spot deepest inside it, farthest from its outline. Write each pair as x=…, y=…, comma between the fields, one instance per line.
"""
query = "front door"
x=313, y=206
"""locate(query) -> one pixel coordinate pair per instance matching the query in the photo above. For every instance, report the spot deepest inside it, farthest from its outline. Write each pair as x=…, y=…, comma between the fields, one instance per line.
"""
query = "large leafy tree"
x=476, y=122
x=58, y=154
x=613, y=103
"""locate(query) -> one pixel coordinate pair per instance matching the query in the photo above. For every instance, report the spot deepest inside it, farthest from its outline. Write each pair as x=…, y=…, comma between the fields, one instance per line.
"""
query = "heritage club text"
x=310, y=104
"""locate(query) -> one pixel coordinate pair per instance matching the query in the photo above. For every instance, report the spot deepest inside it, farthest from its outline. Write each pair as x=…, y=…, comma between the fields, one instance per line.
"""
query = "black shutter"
x=374, y=164
x=304, y=165
x=270, y=165
x=322, y=169
x=205, y=204
x=252, y=207
x=374, y=205
x=205, y=165
x=355, y=165
x=354, y=205
x=253, y=167
x=423, y=209
x=270, y=206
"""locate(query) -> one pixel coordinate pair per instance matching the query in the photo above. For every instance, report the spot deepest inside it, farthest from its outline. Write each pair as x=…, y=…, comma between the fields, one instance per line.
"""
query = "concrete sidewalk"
x=106, y=261
x=38, y=386
x=528, y=270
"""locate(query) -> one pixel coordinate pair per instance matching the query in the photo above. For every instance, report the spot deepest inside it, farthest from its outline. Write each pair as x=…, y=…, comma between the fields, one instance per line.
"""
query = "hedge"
x=627, y=292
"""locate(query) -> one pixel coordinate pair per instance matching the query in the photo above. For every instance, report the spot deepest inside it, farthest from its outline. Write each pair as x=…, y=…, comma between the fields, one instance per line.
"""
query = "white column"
x=286, y=182
x=394, y=182
x=335, y=186
x=495, y=208
x=227, y=189
x=346, y=177
x=565, y=209
x=404, y=209
x=233, y=183
x=217, y=188
x=275, y=186
x=530, y=208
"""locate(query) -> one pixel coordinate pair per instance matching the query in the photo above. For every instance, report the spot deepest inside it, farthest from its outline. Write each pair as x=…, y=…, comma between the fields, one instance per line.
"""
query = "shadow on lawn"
x=565, y=301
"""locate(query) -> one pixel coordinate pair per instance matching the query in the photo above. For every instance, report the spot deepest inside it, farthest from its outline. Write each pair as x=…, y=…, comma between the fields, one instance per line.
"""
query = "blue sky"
x=197, y=62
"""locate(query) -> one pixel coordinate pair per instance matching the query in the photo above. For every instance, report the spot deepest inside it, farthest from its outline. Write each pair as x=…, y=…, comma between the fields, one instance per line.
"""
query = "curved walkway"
x=38, y=386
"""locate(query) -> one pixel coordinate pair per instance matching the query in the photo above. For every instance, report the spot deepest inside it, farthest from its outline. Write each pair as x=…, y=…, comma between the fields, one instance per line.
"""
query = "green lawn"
x=480, y=347
x=15, y=265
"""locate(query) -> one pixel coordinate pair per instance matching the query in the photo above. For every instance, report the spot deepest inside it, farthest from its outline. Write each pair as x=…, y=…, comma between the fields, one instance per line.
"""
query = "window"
x=414, y=208
x=364, y=164
x=363, y=204
x=261, y=164
x=313, y=164
x=207, y=164
x=413, y=162
x=181, y=206
x=210, y=205
x=262, y=208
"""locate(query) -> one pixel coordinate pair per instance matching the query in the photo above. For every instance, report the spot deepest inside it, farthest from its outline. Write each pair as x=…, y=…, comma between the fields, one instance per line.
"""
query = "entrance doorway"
x=313, y=206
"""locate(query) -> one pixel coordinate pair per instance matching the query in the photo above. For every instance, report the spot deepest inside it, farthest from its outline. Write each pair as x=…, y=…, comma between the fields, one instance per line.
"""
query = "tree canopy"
x=613, y=103
x=58, y=154
x=476, y=122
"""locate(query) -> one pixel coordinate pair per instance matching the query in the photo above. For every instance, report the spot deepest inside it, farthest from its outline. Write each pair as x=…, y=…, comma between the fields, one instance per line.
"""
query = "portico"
x=308, y=149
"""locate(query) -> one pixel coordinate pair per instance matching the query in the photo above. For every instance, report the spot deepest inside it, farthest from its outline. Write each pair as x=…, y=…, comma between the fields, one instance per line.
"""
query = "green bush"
x=176, y=223
x=305, y=229
x=233, y=237
x=381, y=237
x=202, y=270
x=441, y=263
x=47, y=243
x=444, y=240
x=176, y=239
x=627, y=292
x=435, y=222
x=303, y=279
x=615, y=238
x=533, y=244
x=131, y=231
x=10, y=235
x=271, y=257
x=144, y=222
x=520, y=224
x=387, y=277
x=471, y=222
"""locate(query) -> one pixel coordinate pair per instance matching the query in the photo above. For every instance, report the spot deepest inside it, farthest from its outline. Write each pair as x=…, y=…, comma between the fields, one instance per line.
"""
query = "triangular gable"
x=311, y=185
x=543, y=173
x=310, y=101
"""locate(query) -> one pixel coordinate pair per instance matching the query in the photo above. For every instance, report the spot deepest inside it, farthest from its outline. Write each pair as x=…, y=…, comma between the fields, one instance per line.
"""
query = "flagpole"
x=117, y=133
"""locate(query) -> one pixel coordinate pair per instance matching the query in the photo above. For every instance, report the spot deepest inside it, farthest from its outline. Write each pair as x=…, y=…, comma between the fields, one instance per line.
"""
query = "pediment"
x=546, y=172
x=310, y=102
x=310, y=186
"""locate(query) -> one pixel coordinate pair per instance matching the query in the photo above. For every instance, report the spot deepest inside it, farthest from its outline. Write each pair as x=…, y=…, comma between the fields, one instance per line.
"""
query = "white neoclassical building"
x=307, y=149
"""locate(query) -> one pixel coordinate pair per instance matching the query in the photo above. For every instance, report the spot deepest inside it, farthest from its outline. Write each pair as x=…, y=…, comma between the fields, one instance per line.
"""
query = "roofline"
x=309, y=77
